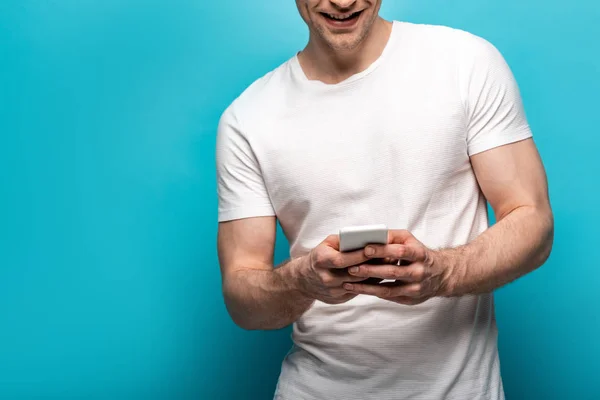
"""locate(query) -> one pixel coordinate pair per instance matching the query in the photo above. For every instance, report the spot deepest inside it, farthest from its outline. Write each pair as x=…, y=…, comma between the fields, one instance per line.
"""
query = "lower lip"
x=342, y=24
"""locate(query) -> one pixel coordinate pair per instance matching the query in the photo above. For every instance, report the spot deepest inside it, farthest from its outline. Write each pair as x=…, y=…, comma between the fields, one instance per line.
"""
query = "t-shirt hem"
x=518, y=135
x=245, y=212
x=481, y=395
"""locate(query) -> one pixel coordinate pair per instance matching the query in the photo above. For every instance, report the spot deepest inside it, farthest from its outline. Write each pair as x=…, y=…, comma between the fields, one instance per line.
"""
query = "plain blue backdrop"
x=109, y=281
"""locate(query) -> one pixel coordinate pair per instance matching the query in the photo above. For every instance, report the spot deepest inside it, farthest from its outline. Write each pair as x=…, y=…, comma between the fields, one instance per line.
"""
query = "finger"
x=332, y=241
x=376, y=271
x=408, y=301
x=402, y=236
x=332, y=259
x=337, y=299
x=412, y=290
x=370, y=281
x=409, y=290
x=412, y=273
x=399, y=236
x=394, y=251
x=337, y=277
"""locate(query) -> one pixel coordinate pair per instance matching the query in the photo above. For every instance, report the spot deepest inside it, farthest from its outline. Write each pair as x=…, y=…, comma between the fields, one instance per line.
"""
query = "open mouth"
x=342, y=19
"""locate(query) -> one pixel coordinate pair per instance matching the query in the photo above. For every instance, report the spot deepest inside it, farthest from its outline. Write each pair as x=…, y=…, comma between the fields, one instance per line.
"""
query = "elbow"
x=234, y=305
x=245, y=320
x=547, y=236
x=241, y=317
x=241, y=314
x=240, y=305
x=548, y=245
x=244, y=323
x=249, y=321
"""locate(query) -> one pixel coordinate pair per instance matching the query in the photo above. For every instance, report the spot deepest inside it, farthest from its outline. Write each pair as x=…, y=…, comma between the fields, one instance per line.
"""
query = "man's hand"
x=322, y=273
x=415, y=283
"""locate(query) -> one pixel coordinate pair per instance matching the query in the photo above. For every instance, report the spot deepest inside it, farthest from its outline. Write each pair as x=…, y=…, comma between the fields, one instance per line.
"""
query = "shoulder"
x=260, y=97
x=464, y=45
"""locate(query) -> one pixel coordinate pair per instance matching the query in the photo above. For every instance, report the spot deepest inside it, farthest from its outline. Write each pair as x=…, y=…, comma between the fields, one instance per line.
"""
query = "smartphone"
x=357, y=237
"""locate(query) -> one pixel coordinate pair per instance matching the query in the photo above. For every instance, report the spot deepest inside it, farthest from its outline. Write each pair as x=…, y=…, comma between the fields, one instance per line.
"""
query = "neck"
x=320, y=62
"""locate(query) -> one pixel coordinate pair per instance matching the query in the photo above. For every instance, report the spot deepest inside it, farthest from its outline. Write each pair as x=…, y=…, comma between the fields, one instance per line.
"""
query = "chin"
x=344, y=45
x=345, y=42
x=348, y=40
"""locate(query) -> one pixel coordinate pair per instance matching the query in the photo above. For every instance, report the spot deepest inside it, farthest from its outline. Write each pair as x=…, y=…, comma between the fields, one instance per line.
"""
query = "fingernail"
x=348, y=286
x=353, y=270
x=369, y=251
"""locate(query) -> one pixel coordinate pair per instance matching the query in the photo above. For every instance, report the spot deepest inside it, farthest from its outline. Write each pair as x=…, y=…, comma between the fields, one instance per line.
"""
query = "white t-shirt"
x=389, y=145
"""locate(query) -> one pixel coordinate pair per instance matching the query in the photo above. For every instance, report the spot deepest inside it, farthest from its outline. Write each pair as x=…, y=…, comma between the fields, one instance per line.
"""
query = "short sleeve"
x=240, y=184
x=494, y=108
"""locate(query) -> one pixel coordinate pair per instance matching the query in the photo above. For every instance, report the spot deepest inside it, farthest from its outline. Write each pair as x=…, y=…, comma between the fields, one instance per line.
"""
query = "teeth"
x=343, y=16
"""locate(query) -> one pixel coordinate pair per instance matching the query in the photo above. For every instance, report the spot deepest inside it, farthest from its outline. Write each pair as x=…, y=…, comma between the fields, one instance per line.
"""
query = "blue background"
x=109, y=282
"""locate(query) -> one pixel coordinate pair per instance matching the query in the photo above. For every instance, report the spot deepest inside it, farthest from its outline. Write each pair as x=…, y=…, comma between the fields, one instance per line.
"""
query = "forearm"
x=516, y=245
x=265, y=299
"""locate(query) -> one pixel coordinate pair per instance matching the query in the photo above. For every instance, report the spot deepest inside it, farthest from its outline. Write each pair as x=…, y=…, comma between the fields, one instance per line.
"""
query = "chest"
x=379, y=146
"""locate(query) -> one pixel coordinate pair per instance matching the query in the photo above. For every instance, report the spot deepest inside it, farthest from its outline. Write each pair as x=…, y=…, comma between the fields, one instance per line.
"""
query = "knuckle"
x=326, y=279
x=400, y=252
x=320, y=258
x=418, y=274
x=337, y=261
x=416, y=289
x=396, y=273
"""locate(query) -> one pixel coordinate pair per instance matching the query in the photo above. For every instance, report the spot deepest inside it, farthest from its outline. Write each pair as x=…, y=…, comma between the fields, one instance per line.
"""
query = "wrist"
x=452, y=264
x=293, y=276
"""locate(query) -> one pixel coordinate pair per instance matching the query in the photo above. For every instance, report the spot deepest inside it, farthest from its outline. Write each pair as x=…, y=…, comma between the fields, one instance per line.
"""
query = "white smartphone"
x=356, y=237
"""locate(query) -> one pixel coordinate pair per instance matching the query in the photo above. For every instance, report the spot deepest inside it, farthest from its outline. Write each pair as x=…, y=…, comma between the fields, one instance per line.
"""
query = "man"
x=378, y=122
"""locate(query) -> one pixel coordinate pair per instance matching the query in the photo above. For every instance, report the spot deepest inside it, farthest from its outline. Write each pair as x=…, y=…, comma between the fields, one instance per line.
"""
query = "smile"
x=348, y=17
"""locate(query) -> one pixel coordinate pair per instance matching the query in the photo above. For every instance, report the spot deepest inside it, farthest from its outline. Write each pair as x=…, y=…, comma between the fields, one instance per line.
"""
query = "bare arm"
x=513, y=180
x=259, y=296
